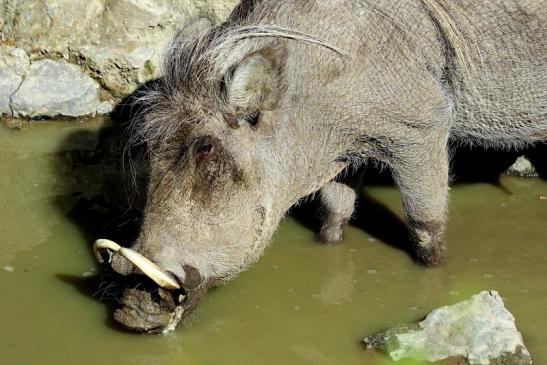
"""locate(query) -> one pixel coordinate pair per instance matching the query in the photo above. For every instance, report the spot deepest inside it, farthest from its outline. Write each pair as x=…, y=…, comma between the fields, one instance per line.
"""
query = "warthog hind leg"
x=336, y=205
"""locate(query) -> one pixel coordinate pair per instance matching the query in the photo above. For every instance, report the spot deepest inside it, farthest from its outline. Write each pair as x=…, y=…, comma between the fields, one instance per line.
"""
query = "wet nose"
x=121, y=265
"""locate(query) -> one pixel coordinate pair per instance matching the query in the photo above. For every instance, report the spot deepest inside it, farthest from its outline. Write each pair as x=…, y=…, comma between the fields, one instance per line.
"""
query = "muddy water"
x=303, y=303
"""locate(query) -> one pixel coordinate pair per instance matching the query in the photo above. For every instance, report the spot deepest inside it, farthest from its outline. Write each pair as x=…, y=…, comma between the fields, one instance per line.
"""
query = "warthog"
x=289, y=97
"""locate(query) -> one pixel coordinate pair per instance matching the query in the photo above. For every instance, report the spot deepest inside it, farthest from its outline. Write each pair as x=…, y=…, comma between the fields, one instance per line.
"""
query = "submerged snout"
x=146, y=307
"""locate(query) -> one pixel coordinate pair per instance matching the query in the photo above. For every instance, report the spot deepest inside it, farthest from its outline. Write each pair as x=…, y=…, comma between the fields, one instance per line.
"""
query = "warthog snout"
x=147, y=307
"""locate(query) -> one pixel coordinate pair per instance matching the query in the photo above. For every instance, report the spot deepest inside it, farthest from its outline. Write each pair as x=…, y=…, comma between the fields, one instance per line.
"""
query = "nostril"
x=121, y=265
x=193, y=278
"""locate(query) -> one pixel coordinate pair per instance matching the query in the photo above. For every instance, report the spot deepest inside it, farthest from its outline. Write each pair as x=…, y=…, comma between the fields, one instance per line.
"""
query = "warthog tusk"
x=103, y=244
x=149, y=268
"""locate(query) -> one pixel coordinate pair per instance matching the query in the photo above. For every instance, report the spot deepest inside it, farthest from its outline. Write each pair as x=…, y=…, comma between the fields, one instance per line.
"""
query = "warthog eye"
x=207, y=149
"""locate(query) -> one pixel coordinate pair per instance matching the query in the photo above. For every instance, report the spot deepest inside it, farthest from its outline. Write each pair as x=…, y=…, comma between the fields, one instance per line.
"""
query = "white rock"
x=52, y=25
x=105, y=107
x=118, y=42
x=54, y=88
x=480, y=330
x=14, y=59
x=9, y=82
x=522, y=167
x=198, y=26
x=122, y=71
x=9, y=268
x=139, y=56
x=14, y=64
x=216, y=9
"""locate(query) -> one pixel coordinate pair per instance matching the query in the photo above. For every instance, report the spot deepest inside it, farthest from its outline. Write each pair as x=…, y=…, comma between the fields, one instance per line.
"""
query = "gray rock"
x=14, y=64
x=121, y=71
x=3, y=16
x=105, y=107
x=9, y=82
x=217, y=10
x=139, y=56
x=53, y=88
x=52, y=25
x=118, y=43
x=522, y=167
x=479, y=331
x=14, y=59
x=197, y=27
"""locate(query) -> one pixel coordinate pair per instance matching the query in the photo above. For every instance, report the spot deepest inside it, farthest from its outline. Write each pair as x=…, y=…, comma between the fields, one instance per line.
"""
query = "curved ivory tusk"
x=103, y=244
x=149, y=268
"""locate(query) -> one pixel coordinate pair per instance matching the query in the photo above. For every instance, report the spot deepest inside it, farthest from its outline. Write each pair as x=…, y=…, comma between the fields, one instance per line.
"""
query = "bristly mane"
x=190, y=62
x=195, y=67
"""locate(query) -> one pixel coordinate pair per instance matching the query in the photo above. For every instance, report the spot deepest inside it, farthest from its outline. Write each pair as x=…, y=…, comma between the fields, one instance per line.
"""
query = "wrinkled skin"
x=142, y=312
x=243, y=125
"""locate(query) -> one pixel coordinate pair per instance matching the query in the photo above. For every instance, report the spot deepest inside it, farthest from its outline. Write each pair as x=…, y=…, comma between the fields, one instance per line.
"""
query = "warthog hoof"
x=427, y=242
x=432, y=256
x=333, y=233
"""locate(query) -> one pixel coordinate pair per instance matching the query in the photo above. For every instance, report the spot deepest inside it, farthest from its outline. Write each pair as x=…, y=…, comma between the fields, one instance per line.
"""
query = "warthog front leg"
x=421, y=172
x=336, y=206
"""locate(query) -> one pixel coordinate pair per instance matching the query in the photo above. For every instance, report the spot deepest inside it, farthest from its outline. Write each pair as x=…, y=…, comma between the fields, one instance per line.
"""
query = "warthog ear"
x=255, y=84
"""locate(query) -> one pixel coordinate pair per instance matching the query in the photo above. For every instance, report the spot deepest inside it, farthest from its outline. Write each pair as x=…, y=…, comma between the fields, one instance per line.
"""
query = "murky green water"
x=303, y=303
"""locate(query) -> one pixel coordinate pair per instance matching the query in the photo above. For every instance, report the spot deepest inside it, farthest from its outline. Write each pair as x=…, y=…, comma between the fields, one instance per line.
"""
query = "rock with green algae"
x=478, y=331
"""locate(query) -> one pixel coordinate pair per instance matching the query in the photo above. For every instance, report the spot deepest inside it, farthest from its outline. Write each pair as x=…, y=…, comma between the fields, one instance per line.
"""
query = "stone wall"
x=79, y=57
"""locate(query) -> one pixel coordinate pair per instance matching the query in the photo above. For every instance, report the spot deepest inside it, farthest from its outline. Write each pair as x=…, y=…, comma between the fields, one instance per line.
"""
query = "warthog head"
x=225, y=164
